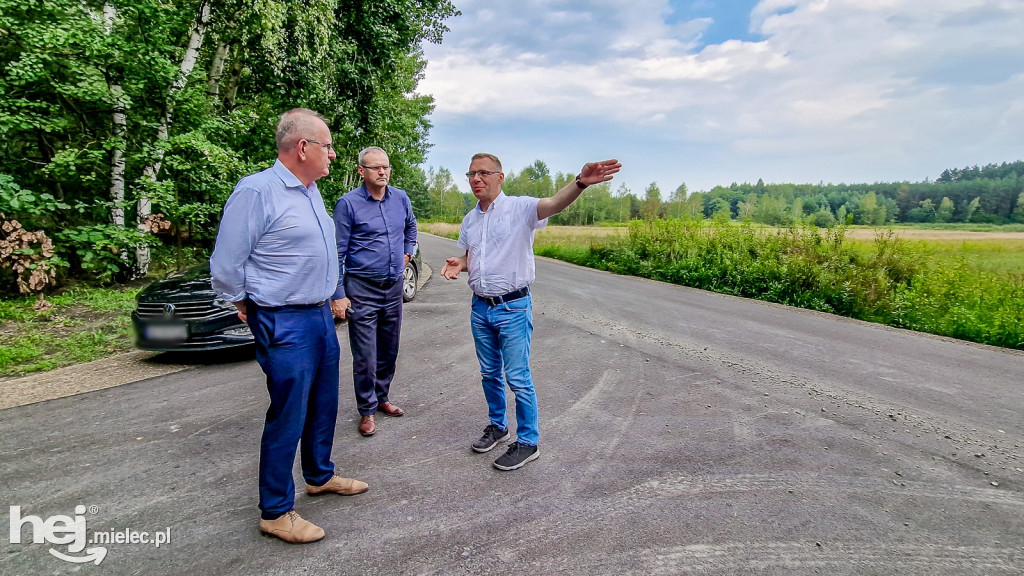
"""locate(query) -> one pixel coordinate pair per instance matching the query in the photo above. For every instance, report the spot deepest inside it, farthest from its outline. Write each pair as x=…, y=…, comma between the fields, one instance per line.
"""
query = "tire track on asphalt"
x=668, y=487
x=848, y=557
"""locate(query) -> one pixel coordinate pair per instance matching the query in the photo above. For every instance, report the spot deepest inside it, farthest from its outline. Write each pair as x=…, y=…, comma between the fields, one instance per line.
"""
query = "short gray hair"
x=292, y=125
x=367, y=150
x=490, y=157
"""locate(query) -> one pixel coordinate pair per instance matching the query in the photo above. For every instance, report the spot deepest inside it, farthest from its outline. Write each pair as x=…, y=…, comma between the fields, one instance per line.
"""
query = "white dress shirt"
x=500, y=244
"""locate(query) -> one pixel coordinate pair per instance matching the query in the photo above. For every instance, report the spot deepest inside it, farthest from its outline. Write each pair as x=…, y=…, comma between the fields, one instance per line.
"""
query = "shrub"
x=885, y=281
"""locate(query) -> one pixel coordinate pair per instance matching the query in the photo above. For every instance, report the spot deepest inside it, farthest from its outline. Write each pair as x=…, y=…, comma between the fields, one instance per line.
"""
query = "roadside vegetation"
x=961, y=288
x=75, y=326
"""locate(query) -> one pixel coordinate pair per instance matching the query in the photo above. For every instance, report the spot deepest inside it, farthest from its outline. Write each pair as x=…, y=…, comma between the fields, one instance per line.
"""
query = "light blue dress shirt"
x=276, y=242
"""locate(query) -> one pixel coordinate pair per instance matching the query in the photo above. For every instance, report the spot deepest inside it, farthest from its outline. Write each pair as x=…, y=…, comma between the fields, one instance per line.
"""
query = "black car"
x=182, y=312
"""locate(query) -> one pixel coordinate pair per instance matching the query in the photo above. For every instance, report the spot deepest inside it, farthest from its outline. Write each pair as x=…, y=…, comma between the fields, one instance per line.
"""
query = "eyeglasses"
x=326, y=145
x=481, y=173
x=383, y=167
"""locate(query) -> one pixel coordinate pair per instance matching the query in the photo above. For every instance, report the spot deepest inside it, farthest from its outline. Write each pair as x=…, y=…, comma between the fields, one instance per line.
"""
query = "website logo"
x=60, y=530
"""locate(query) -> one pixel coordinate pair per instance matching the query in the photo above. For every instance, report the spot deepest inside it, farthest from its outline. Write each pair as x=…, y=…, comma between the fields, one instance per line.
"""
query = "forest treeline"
x=125, y=124
x=992, y=194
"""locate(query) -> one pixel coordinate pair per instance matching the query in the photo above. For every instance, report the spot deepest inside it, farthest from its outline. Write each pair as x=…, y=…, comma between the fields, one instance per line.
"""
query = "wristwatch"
x=579, y=184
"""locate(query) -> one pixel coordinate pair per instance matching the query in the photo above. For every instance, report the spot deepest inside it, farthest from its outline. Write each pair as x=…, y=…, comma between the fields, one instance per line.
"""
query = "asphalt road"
x=681, y=432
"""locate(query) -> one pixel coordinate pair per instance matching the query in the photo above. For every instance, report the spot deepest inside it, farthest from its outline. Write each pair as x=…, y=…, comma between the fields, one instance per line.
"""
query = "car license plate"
x=167, y=332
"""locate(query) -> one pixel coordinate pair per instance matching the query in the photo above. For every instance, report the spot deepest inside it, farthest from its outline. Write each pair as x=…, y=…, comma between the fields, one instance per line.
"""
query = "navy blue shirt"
x=373, y=236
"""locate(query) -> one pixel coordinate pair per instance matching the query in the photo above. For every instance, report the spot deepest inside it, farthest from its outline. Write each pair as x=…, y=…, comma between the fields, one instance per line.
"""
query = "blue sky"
x=712, y=92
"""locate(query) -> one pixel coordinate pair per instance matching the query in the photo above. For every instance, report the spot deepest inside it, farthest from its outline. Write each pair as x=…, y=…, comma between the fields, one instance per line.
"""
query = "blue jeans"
x=298, y=351
x=502, y=336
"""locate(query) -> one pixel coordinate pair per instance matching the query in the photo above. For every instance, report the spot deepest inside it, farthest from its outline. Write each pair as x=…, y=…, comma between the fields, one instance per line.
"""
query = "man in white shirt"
x=498, y=238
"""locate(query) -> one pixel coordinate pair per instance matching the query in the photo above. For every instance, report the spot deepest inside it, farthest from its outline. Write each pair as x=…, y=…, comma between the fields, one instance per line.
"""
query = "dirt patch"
x=79, y=378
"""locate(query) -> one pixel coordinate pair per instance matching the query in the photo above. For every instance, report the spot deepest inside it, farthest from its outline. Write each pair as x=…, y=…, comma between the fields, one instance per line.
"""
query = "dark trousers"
x=298, y=351
x=374, y=328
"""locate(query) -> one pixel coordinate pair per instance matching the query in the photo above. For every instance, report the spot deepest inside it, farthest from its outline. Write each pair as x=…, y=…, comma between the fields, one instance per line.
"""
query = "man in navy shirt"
x=276, y=261
x=376, y=237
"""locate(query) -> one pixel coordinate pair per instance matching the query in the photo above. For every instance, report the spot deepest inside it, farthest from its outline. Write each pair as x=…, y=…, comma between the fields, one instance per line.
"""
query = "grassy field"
x=960, y=283
x=992, y=251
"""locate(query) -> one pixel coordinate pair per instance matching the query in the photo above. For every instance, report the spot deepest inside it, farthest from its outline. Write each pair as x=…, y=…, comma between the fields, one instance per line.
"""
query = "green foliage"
x=889, y=282
x=24, y=205
x=961, y=302
x=444, y=201
x=97, y=299
x=67, y=66
x=100, y=249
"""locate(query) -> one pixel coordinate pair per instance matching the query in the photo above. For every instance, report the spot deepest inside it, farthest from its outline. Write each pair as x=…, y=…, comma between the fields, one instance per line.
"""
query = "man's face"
x=319, y=156
x=375, y=169
x=485, y=187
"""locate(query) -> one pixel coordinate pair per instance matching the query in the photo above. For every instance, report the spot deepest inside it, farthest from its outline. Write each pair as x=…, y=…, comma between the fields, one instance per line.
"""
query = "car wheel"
x=409, y=281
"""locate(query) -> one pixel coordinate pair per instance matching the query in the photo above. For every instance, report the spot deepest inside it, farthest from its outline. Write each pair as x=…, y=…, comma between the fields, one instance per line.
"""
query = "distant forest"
x=992, y=194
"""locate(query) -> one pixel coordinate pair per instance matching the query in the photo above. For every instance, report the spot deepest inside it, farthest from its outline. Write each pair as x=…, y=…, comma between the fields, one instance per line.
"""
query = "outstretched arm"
x=592, y=173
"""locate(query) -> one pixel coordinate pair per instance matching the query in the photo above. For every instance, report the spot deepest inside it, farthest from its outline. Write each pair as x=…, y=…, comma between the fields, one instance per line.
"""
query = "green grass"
x=994, y=256
x=80, y=325
x=961, y=226
x=973, y=291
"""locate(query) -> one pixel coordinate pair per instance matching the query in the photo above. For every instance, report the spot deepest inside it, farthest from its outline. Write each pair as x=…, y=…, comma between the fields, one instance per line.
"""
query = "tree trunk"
x=188, y=63
x=236, y=75
x=120, y=122
x=119, y=119
x=217, y=70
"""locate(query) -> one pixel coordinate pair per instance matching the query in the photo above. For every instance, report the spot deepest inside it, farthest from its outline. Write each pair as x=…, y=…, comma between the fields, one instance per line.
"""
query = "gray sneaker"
x=492, y=435
x=517, y=456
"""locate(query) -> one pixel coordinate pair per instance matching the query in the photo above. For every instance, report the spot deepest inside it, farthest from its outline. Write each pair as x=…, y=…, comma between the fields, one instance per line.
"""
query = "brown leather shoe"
x=367, y=427
x=338, y=485
x=290, y=527
x=390, y=409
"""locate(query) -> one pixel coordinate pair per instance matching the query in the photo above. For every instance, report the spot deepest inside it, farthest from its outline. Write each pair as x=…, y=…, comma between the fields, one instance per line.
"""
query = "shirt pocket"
x=500, y=227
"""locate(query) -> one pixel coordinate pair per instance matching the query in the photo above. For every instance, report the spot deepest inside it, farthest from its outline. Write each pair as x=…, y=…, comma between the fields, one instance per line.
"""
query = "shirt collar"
x=501, y=194
x=366, y=191
x=286, y=176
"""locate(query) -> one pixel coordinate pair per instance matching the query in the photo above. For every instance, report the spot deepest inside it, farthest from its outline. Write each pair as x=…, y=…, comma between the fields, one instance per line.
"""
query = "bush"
x=887, y=282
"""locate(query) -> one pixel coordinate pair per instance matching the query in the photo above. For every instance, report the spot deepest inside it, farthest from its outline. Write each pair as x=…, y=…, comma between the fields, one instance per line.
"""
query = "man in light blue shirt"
x=498, y=238
x=275, y=259
x=376, y=237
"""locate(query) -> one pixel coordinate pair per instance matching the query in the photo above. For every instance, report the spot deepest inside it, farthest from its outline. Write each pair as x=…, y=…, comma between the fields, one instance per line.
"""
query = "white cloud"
x=901, y=88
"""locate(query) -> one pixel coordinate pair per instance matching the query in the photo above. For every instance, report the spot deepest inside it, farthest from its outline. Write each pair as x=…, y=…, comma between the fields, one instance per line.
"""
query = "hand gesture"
x=597, y=172
x=452, y=267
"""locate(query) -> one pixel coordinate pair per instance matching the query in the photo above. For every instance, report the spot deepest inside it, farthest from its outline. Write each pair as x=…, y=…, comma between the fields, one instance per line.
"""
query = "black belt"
x=382, y=285
x=289, y=306
x=514, y=295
